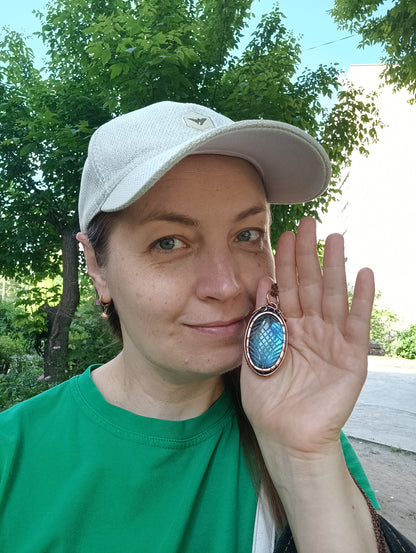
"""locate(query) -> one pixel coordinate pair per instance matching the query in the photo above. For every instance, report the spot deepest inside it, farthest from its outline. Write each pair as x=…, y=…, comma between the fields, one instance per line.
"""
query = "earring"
x=106, y=307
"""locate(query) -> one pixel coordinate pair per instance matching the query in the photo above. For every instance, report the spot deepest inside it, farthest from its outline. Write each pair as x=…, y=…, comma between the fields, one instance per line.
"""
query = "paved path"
x=386, y=409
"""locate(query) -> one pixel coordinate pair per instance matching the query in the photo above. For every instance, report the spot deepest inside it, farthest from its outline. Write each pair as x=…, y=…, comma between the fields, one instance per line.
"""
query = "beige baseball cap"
x=130, y=153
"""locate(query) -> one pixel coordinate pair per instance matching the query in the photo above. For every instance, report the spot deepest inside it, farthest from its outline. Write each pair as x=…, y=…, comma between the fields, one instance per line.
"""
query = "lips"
x=233, y=327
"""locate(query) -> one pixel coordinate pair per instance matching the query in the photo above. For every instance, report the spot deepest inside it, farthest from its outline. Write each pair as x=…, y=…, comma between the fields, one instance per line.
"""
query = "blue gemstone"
x=266, y=341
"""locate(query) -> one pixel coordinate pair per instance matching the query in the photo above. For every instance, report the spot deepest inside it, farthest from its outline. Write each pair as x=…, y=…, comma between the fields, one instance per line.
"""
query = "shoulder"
x=32, y=412
x=31, y=431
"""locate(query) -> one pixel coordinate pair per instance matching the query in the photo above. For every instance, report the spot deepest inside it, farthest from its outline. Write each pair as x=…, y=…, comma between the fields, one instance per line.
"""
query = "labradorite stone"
x=266, y=341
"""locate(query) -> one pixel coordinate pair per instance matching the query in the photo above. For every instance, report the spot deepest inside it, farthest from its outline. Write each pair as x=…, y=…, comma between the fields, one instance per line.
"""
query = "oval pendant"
x=265, y=341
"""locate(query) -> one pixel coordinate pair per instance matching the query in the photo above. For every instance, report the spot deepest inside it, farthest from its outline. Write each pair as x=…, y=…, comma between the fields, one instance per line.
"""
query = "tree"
x=43, y=139
x=394, y=29
x=107, y=57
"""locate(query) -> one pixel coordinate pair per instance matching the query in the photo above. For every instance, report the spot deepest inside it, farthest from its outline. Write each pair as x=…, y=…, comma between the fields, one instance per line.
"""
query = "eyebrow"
x=169, y=216
x=172, y=217
x=255, y=210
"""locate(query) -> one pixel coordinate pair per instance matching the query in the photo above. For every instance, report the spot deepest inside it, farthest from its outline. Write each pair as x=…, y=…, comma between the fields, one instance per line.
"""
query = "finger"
x=335, y=294
x=309, y=269
x=287, y=276
x=357, y=329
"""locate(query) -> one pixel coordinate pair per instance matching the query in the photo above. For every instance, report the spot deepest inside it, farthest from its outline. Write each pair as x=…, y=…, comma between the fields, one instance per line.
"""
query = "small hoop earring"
x=106, y=307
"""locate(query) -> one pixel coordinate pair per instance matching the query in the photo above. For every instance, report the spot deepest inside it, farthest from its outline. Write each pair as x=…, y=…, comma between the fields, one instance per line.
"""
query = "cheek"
x=261, y=265
x=265, y=263
x=148, y=296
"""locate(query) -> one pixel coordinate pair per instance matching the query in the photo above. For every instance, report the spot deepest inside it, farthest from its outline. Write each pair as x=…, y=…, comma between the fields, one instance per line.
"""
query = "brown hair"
x=98, y=233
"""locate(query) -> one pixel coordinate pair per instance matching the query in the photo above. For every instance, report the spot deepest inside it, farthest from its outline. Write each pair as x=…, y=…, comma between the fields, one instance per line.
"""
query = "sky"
x=320, y=39
x=309, y=20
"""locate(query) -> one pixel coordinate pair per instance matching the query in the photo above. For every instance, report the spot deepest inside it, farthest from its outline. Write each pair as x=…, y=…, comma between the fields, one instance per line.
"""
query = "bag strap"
x=394, y=539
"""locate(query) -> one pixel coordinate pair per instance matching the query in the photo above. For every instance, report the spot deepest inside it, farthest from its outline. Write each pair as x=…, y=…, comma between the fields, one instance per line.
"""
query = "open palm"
x=305, y=404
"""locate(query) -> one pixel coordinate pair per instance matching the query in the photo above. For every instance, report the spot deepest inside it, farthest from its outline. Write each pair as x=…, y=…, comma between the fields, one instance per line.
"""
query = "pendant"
x=265, y=341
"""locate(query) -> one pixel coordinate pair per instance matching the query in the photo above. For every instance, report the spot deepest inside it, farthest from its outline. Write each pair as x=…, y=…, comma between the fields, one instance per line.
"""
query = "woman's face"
x=183, y=266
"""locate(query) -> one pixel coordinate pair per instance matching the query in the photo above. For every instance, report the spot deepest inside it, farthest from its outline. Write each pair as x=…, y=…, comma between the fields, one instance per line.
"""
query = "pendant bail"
x=273, y=292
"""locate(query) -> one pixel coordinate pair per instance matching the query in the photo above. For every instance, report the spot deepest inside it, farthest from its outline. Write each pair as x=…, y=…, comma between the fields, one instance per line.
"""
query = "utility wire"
x=328, y=43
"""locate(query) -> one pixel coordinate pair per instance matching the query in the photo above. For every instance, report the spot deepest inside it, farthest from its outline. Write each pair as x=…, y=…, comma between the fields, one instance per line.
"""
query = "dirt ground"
x=392, y=474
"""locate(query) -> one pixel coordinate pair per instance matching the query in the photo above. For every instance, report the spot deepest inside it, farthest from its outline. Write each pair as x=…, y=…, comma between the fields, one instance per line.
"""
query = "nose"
x=218, y=277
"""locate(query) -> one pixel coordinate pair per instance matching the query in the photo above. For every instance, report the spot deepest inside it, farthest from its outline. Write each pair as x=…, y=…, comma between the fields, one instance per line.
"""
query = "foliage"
x=21, y=315
x=405, y=344
x=16, y=339
x=24, y=380
x=106, y=57
x=9, y=314
x=9, y=349
x=90, y=338
x=186, y=52
x=383, y=319
x=393, y=28
x=21, y=372
x=356, y=116
x=43, y=140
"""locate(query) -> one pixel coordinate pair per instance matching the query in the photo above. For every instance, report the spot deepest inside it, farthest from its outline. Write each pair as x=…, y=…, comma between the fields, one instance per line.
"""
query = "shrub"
x=8, y=313
x=405, y=344
x=20, y=325
x=9, y=349
x=10, y=323
x=90, y=338
x=6, y=353
x=383, y=321
x=24, y=380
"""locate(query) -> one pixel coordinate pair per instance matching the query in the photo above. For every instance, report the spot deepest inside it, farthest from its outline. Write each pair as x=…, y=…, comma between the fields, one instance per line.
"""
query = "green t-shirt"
x=78, y=474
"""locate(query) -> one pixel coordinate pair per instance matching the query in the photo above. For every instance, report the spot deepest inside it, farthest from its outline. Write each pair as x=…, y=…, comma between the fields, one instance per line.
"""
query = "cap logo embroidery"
x=198, y=121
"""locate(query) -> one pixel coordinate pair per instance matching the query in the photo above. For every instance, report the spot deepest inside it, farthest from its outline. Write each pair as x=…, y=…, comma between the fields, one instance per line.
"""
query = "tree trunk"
x=61, y=315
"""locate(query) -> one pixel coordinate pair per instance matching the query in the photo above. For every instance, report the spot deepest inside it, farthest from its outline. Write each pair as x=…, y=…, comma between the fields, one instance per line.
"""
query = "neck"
x=155, y=394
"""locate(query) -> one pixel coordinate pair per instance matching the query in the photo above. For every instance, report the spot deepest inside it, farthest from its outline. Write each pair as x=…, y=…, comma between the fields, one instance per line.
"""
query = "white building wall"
x=377, y=211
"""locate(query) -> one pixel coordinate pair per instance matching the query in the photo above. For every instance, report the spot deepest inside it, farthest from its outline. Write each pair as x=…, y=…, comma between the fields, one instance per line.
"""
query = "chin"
x=206, y=364
x=220, y=367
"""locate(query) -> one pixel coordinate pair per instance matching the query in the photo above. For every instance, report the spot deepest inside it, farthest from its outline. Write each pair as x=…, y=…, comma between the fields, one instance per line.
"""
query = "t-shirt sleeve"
x=357, y=470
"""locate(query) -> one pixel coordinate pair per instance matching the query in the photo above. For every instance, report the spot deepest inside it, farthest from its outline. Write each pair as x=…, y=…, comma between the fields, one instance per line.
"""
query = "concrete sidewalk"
x=386, y=409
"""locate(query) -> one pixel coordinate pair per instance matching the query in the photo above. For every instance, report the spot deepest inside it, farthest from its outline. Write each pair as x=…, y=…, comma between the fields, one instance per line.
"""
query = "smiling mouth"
x=233, y=327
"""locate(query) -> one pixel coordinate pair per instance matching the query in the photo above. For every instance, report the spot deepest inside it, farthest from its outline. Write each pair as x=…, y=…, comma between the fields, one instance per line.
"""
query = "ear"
x=95, y=271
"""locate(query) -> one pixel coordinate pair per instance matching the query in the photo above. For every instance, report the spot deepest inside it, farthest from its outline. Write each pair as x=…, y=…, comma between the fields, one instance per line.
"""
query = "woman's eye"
x=169, y=243
x=248, y=235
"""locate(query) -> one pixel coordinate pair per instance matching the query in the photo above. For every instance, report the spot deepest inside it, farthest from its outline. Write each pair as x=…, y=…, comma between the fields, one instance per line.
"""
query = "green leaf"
x=27, y=149
x=116, y=70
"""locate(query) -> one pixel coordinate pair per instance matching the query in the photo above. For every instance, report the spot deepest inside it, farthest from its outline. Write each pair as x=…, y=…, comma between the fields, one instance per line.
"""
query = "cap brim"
x=294, y=167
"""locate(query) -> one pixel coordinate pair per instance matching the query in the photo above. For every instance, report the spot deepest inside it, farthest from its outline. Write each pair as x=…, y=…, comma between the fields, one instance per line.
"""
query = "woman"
x=153, y=451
